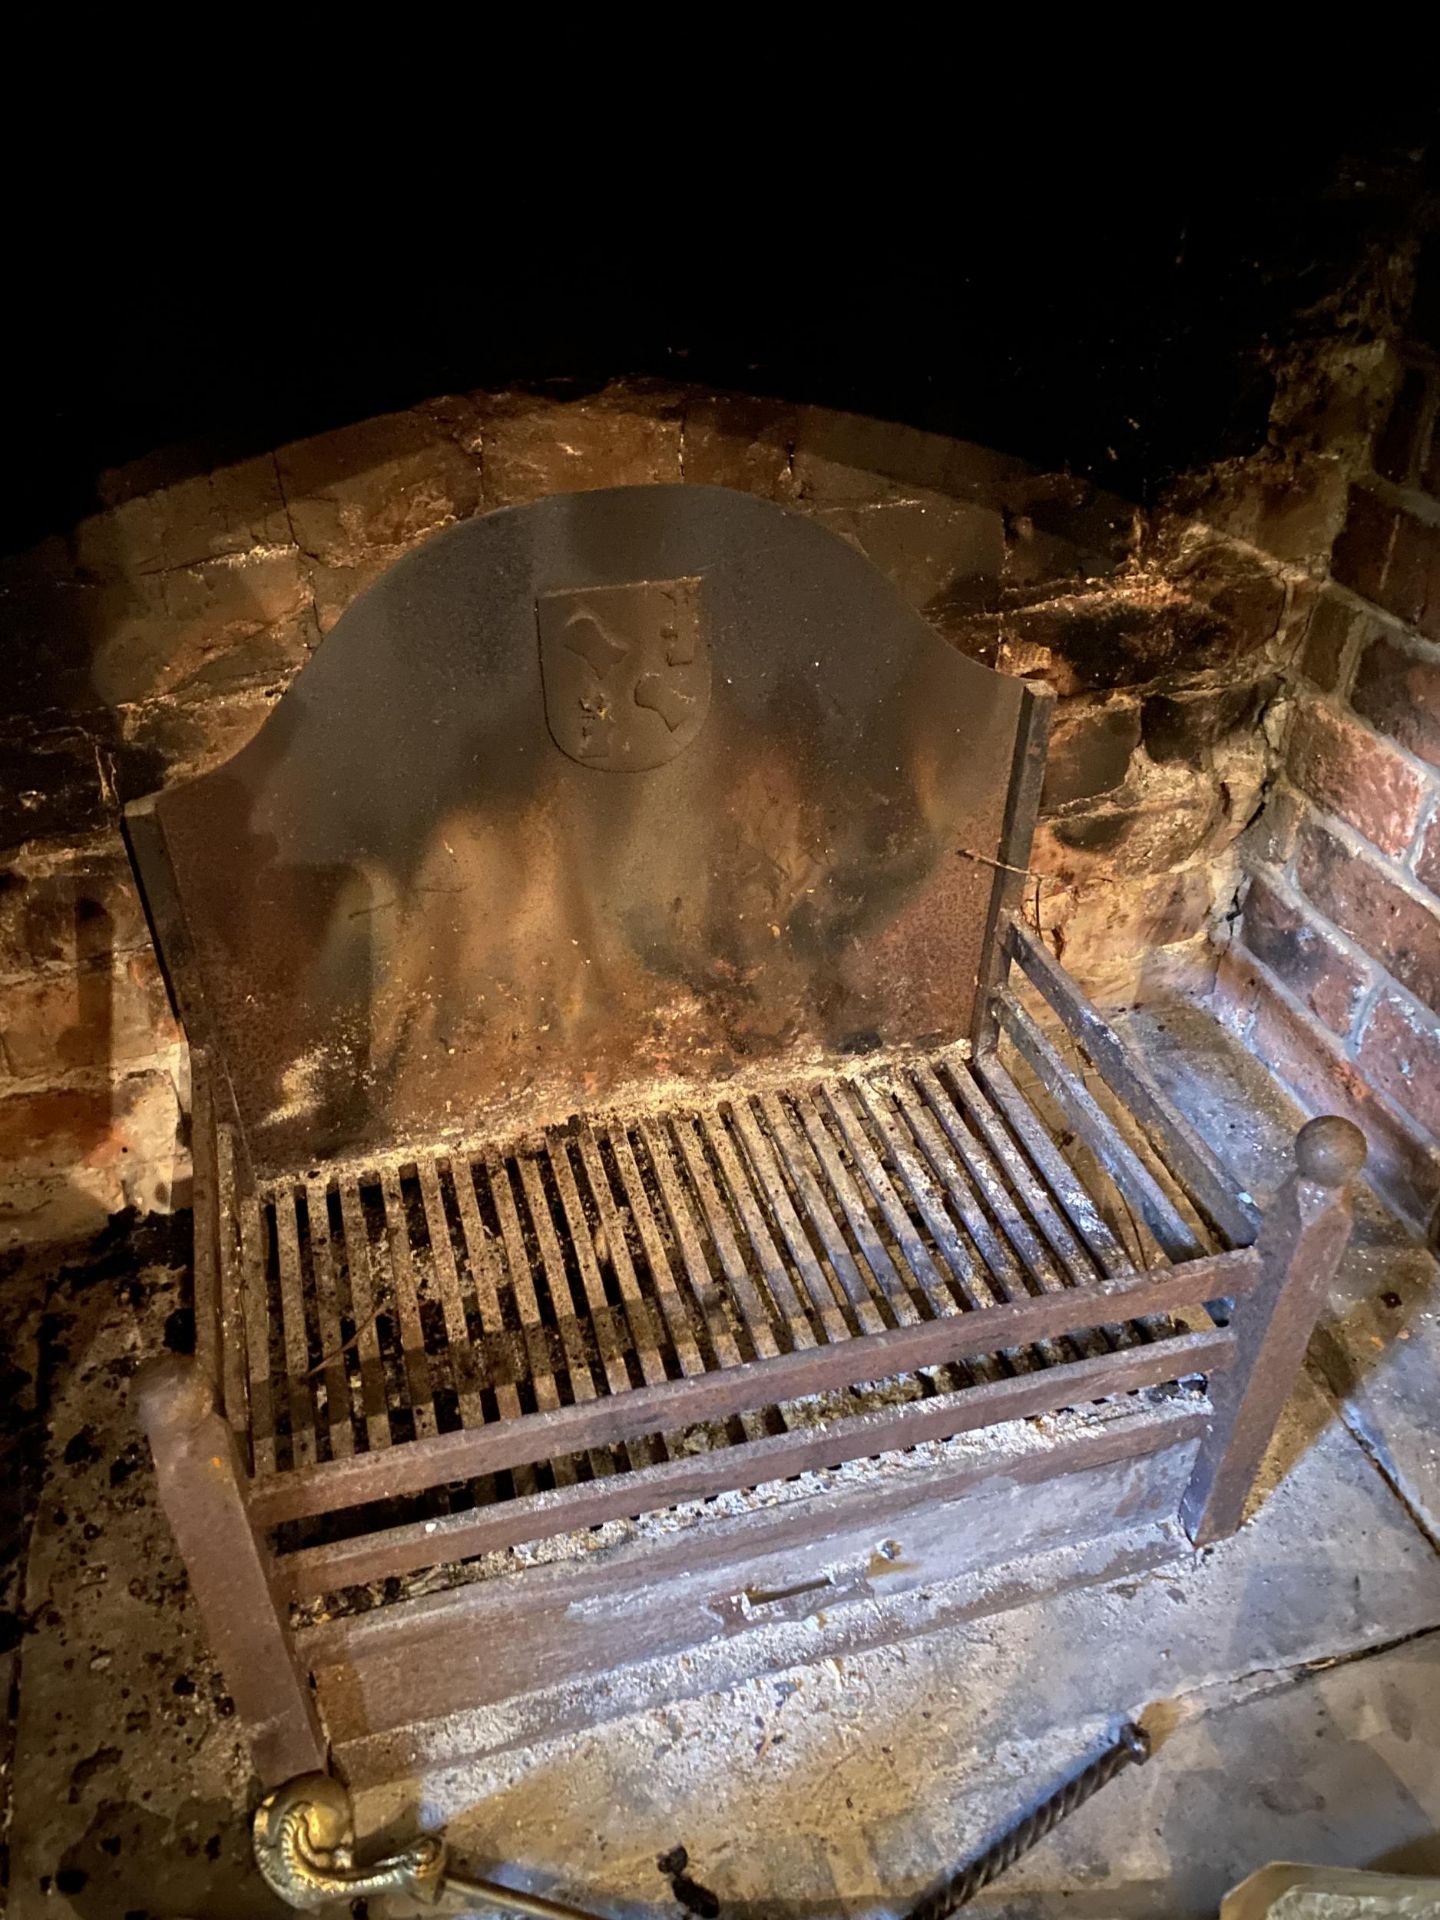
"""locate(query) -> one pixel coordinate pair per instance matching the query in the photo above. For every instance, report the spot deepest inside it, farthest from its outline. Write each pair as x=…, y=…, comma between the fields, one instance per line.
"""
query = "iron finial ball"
x=1330, y=1151
x=173, y=1392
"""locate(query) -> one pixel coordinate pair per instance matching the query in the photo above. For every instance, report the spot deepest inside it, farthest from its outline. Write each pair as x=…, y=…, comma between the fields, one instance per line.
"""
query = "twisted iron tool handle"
x=1131, y=1749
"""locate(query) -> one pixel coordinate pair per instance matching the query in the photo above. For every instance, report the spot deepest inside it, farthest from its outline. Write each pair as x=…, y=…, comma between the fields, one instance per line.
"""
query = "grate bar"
x=542, y=1381
x=754, y=1313
x=922, y=1190
x=672, y=1304
x=292, y=1321
x=1079, y=1209
x=557, y=1284
x=842, y=1261
x=522, y=1286
x=587, y=1304
x=896, y=1218
x=452, y=1300
x=707, y=1295
x=857, y=1214
x=572, y=1339
x=1094, y=1126
x=963, y=1273
x=781, y=1379
x=1034, y=1256
x=312, y=1571
x=394, y=1253
x=327, y=1315
x=766, y=1173
x=1036, y=1192
x=749, y=1208
x=366, y=1314
x=617, y=1374
x=1004, y=1271
x=1006, y=1277
x=481, y=1261
x=1198, y=1171
x=235, y=1379
x=645, y=1335
x=257, y=1335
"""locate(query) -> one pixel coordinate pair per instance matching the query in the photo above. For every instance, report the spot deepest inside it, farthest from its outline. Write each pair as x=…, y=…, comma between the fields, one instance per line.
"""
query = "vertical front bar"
x=209, y=1330
x=1022, y=806
x=202, y=1491
x=1301, y=1239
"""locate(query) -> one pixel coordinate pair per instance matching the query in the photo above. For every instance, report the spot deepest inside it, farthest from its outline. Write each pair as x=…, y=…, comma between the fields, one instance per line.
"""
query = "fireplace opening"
x=688, y=922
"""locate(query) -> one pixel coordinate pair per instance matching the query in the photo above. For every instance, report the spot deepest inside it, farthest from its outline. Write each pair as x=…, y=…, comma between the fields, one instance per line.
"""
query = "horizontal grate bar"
x=761, y=1383
x=310, y=1571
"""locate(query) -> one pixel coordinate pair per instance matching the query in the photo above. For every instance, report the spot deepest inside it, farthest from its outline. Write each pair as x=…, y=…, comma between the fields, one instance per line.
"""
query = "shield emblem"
x=626, y=671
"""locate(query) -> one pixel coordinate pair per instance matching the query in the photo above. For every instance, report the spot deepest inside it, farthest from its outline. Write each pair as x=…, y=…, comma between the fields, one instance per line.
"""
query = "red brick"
x=1299, y=1051
x=1333, y=625
x=1393, y=926
x=1355, y=774
x=535, y=447
x=1362, y=552
x=68, y=909
x=58, y=1126
x=386, y=482
x=1397, y=688
x=1189, y=723
x=98, y=1016
x=735, y=441
x=1412, y=579
x=183, y=522
x=945, y=556
x=1320, y=973
x=1400, y=449
x=1090, y=749
x=1236, y=601
x=1400, y=1056
x=1427, y=861
x=68, y=1130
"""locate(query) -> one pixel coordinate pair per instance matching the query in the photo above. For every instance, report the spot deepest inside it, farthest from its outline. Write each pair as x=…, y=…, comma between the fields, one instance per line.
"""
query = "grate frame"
x=631, y=1308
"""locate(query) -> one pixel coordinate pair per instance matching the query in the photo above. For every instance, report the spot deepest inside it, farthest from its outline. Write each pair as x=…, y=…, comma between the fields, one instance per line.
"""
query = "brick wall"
x=150, y=642
x=1336, y=975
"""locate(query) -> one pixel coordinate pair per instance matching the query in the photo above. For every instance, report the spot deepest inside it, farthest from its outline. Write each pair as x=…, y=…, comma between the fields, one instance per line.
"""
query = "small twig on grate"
x=336, y=1353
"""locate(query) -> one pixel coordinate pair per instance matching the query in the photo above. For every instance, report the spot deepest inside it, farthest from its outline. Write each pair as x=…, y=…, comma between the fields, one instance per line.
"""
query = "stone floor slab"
x=1341, y=1768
